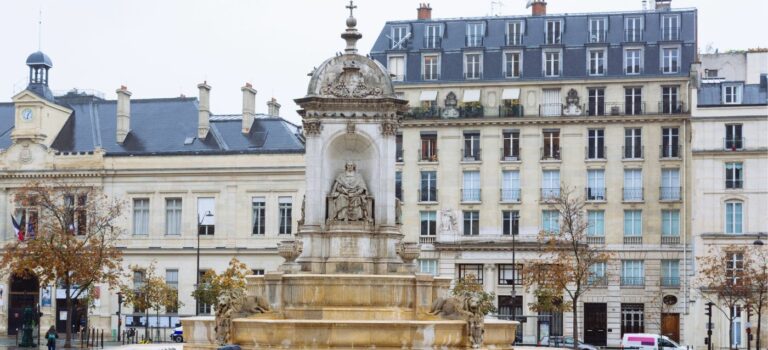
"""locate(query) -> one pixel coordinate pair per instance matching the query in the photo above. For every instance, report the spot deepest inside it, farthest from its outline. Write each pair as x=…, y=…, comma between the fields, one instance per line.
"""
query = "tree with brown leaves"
x=470, y=287
x=212, y=284
x=72, y=240
x=756, y=266
x=571, y=276
x=723, y=281
x=149, y=291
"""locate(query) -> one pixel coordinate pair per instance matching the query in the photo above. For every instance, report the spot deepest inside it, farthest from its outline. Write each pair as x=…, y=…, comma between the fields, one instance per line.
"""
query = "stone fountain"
x=349, y=281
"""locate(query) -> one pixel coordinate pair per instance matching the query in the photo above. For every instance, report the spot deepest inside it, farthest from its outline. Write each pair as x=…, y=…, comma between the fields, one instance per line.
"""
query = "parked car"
x=564, y=342
x=177, y=335
x=644, y=341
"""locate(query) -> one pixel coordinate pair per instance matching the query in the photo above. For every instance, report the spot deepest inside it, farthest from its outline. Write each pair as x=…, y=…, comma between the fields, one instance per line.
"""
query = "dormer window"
x=670, y=27
x=399, y=37
x=732, y=93
x=633, y=29
x=515, y=31
x=554, y=31
x=433, y=37
x=597, y=61
x=597, y=30
x=475, y=34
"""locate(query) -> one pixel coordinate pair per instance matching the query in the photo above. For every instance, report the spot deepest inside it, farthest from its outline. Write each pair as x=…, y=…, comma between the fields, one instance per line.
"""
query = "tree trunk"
x=759, y=319
x=576, y=323
x=68, y=337
x=730, y=330
x=146, y=324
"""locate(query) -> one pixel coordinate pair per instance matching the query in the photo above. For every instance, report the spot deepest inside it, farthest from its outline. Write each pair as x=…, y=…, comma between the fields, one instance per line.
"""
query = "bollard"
x=102, y=339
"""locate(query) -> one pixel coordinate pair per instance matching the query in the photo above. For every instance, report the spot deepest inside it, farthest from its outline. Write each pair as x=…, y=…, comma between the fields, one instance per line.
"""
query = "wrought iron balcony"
x=424, y=113
x=632, y=281
x=550, y=154
x=428, y=155
x=598, y=36
x=471, y=112
x=473, y=40
x=428, y=196
x=734, y=184
x=509, y=195
x=595, y=194
x=548, y=194
x=670, y=281
x=511, y=111
x=430, y=76
x=433, y=42
x=471, y=155
x=470, y=194
x=633, y=194
x=597, y=281
x=670, y=34
x=514, y=39
x=596, y=153
x=615, y=108
x=633, y=35
x=670, y=151
x=632, y=153
x=670, y=193
x=550, y=109
x=671, y=108
x=734, y=144
x=510, y=154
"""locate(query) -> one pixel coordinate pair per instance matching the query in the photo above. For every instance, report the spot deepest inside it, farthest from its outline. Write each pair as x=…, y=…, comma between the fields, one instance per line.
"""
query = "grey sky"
x=164, y=48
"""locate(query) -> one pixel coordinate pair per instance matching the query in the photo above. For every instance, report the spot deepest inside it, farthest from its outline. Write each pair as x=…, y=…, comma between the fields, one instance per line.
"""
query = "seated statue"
x=349, y=199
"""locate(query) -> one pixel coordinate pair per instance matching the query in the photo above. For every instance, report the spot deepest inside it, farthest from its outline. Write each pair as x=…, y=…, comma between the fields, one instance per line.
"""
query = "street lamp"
x=515, y=273
x=197, y=272
x=758, y=242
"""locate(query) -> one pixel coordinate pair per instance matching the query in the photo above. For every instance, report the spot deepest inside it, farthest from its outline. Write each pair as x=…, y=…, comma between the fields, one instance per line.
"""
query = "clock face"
x=26, y=114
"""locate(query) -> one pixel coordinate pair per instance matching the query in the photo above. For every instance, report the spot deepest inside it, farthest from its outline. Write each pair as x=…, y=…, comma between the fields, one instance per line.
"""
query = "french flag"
x=19, y=227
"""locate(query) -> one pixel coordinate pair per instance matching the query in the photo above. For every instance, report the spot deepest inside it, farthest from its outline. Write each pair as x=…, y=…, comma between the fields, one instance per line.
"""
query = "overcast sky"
x=165, y=48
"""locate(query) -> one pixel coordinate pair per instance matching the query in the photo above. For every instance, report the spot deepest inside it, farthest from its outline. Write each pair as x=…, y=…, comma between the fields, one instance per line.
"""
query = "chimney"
x=249, y=106
x=123, y=114
x=204, y=110
x=424, y=12
x=538, y=7
x=273, y=108
x=663, y=5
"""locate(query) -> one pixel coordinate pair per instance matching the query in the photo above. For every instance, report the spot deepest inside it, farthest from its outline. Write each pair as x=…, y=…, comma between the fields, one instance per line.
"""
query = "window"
x=510, y=274
x=206, y=216
x=512, y=64
x=551, y=63
x=471, y=146
x=732, y=94
x=510, y=186
x=733, y=217
x=511, y=149
x=203, y=308
x=77, y=214
x=473, y=271
x=734, y=267
x=596, y=101
x=428, y=223
x=554, y=31
x=670, y=59
x=428, y=191
x=430, y=67
x=428, y=150
x=396, y=67
x=510, y=222
x=733, y=139
x=670, y=145
x=633, y=143
x=734, y=175
x=710, y=73
x=669, y=100
x=633, y=61
x=475, y=34
x=555, y=318
x=633, y=101
x=632, y=273
x=670, y=27
x=633, y=29
x=471, y=190
x=670, y=184
x=173, y=216
x=434, y=37
x=399, y=185
x=633, y=184
x=597, y=274
x=670, y=273
x=141, y=216
x=400, y=37
x=596, y=223
x=736, y=327
x=473, y=66
x=138, y=283
x=27, y=220
x=428, y=266
x=597, y=62
x=632, y=318
x=550, y=184
x=596, y=185
x=172, y=280
x=633, y=223
x=286, y=211
x=515, y=31
x=597, y=30
x=670, y=223
x=550, y=221
x=258, y=210
x=399, y=147
x=551, y=144
x=596, y=144
x=471, y=223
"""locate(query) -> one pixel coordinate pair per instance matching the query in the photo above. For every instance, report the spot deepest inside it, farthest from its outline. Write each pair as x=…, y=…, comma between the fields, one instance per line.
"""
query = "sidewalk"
x=9, y=343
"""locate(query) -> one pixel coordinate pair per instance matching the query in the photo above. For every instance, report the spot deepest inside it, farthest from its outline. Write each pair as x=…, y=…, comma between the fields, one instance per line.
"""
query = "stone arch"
x=358, y=147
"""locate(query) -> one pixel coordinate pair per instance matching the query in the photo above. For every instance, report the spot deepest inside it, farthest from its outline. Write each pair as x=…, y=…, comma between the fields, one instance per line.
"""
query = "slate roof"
x=575, y=42
x=711, y=94
x=159, y=127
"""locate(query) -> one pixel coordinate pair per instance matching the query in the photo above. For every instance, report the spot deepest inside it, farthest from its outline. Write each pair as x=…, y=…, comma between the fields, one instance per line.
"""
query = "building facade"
x=196, y=184
x=508, y=111
x=729, y=124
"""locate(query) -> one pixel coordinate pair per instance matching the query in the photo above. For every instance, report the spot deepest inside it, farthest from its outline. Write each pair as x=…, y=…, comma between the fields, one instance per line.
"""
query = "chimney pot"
x=273, y=108
x=538, y=7
x=424, y=12
x=123, y=126
x=204, y=110
x=249, y=107
x=663, y=4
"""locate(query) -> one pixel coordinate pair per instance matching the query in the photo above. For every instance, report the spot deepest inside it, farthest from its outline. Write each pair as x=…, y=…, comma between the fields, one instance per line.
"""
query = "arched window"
x=734, y=217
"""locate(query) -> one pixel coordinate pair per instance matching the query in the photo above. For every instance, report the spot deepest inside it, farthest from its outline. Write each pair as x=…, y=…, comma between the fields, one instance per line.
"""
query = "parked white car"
x=644, y=341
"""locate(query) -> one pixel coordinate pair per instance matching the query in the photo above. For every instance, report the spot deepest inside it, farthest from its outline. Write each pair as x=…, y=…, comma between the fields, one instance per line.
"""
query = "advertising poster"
x=45, y=298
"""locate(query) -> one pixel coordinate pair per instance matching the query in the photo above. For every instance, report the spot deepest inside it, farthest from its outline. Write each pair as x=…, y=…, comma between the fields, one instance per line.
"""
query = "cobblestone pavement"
x=9, y=343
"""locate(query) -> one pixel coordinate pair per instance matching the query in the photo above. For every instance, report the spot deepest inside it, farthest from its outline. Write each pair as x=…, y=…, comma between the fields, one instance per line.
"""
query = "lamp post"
x=515, y=273
x=759, y=244
x=197, y=272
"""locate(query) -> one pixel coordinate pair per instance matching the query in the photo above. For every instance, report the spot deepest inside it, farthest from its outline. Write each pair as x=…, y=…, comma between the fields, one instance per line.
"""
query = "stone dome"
x=351, y=76
x=39, y=59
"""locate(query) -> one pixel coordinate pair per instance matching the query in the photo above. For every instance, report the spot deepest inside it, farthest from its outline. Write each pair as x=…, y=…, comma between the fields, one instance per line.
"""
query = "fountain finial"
x=351, y=35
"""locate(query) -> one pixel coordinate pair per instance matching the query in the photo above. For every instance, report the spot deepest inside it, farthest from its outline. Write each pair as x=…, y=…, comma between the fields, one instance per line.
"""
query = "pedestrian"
x=51, y=336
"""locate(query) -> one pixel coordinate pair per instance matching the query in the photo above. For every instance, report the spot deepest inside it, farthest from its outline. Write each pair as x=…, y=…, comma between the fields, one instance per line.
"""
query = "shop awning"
x=471, y=96
x=510, y=94
x=428, y=95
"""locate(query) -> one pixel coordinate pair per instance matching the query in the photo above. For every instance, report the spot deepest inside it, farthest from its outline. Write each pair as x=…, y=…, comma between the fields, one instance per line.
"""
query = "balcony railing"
x=734, y=144
x=670, y=281
x=596, y=194
x=424, y=113
x=615, y=108
x=632, y=281
x=429, y=196
x=471, y=155
x=633, y=35
x=514, y=39
x=430, y=76
x=633, y=194
x=433, y=42
x=550, y=109
x=670, y=34
x=550, y=154
x=669, y=193
x=428, y=156
x=473, y=40
x=470, y=195
x=511, y=111
x=598, y=153
x=598, y=36
x=671, y=108
x=427, y=239
x=670, y=240
x=510, y=195
x=509, y=154
x=633, y=239
x=471, y=112
x=598, y=281
x=670, y=151
x=548, y=194
x=734, y=184
x=473, y=75
x=399, y=156
x=631, y=153
x=595, y=239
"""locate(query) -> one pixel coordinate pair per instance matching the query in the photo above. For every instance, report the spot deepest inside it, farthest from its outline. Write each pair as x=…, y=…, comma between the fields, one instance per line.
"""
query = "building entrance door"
x=670, y=326
x=595, y=324
x=24, y=293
